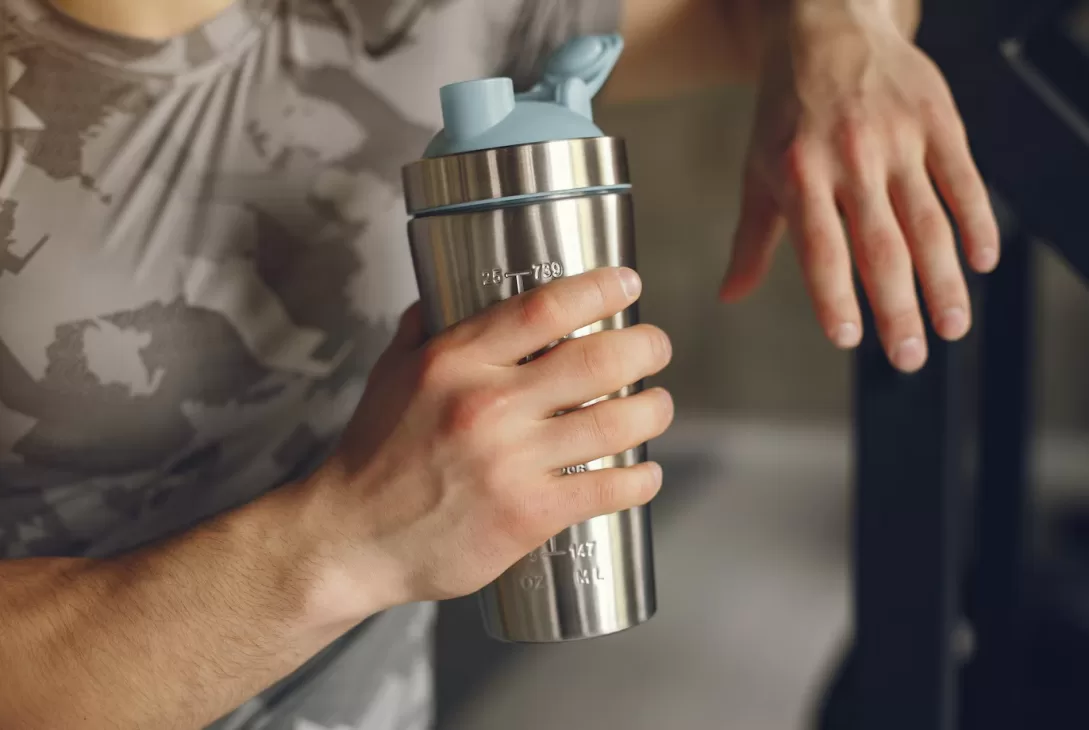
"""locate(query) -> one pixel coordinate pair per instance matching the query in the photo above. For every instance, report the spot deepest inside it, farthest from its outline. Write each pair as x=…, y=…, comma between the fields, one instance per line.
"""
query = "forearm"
x=678, y=46
x=144, y=19
x=167, y=637
x=776, y=15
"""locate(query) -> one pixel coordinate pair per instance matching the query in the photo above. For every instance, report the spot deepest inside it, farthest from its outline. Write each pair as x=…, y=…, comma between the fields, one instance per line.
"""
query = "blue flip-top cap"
x=486, y=113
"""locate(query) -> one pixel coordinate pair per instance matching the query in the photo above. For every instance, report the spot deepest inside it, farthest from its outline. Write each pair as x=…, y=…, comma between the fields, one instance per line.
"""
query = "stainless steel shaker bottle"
x=516, y=191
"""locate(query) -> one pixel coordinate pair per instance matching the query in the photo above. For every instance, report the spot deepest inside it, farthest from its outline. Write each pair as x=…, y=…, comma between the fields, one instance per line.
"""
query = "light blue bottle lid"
x=486, y=113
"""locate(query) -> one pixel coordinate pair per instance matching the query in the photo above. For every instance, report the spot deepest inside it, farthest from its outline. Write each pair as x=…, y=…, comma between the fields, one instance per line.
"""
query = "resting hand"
x=854, y=119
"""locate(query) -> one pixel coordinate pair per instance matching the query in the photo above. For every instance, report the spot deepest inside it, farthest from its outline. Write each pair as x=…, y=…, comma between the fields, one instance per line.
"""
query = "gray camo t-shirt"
x=202, y=252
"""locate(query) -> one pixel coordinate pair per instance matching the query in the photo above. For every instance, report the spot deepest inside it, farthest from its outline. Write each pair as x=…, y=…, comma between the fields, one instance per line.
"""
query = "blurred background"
x=752, y=528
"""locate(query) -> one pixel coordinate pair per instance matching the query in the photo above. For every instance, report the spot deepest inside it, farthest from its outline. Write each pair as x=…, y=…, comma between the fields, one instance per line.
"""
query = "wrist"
x=346, y=575
x=784, y=18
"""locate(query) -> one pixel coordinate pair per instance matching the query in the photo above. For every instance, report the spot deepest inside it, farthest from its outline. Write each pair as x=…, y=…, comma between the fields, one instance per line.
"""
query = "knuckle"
x=961, y=175
x=880, y=249
x=604, y=497
x=841, y=305
x=940, y=114
x=971, y=189
x=930, y=226
x=797, y=163
x=908, y=146
x=854, y=137
x=597, y=361
x=941, y=275
x=820, y=251
x=595, y=494
x=621, y=488
x=608, y=288
x=901, y=322
x=902, y=127
x=931, y=112
x=661, y=347
x=602, y=426
x=947, y=291
x=436, y=362
x=474, y=410
x=540, y=310
x=853, y=125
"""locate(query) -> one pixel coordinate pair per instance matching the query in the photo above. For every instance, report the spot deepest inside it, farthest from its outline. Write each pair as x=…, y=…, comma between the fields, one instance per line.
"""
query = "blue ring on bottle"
x=522, y=199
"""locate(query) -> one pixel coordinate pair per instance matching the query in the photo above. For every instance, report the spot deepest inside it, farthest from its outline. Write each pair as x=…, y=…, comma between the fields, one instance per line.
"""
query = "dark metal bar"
x=907, y=451
x=1034, y=157
x=993, y=681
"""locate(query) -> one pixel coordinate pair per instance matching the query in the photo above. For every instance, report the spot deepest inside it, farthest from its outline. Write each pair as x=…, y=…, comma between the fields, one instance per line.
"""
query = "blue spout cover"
x=486, y=113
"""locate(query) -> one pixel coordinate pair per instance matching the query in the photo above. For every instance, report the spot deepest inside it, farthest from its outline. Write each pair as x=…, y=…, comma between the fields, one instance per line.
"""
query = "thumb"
x=411, y=332
x=757, y=236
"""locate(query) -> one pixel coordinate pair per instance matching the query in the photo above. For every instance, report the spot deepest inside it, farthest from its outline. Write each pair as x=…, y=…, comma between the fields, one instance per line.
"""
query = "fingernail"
x=988, y=259
x=909, y=355
x=846, y=335
x=631, y=282
x=953, y=323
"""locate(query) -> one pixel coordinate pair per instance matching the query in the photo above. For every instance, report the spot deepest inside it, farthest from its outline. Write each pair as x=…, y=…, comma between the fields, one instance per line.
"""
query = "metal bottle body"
x=597, y=577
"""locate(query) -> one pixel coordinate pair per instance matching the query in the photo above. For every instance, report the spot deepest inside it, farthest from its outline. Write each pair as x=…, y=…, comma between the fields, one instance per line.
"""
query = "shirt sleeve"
x=541, y=26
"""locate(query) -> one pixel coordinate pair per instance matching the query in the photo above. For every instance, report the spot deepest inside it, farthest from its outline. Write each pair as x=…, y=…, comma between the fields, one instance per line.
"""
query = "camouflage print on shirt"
x=202, y=253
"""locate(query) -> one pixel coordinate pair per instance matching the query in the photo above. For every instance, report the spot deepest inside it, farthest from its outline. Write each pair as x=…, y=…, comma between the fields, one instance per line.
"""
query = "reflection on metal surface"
x=595, y=578
x=510, y=172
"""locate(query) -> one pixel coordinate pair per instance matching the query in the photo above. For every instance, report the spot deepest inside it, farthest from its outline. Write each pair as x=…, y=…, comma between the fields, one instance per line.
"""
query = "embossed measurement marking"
x=517, y=276
x=586, y=576
x=577, y=469
x=582, y=576
x=582, y=549
x=552, y=550
x=539, y=272
x=575, y=550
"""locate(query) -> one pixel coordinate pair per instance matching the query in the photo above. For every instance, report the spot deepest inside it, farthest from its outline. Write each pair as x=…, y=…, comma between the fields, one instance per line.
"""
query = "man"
x=204, y=516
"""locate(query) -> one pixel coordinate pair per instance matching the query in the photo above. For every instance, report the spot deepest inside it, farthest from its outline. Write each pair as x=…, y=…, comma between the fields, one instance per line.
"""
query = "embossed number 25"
x=493, y=277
